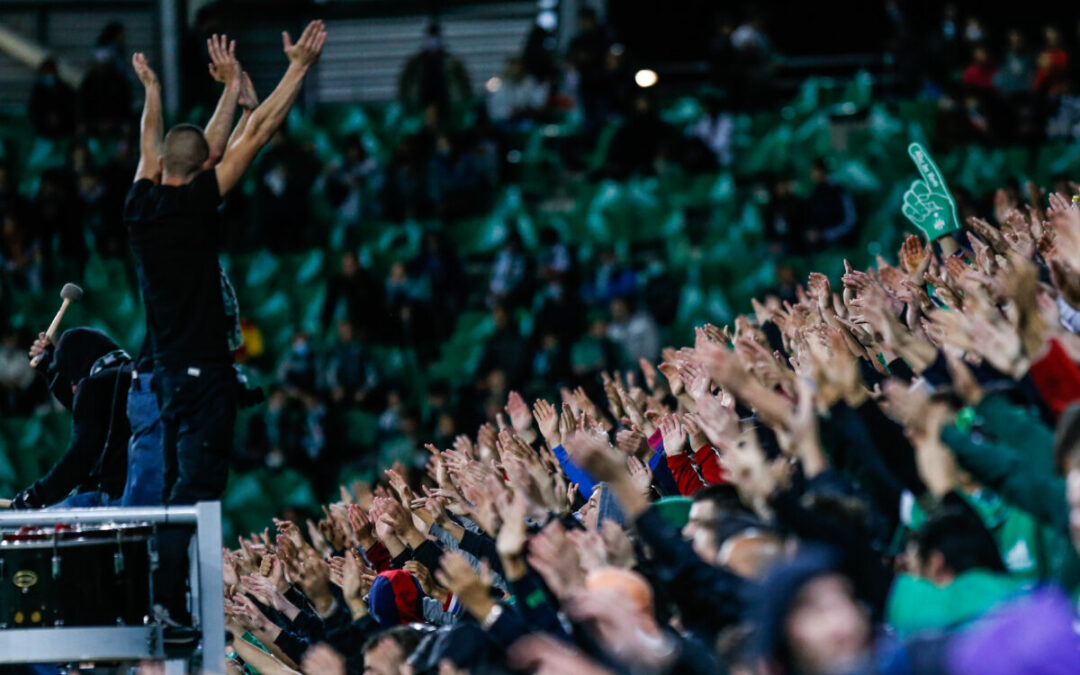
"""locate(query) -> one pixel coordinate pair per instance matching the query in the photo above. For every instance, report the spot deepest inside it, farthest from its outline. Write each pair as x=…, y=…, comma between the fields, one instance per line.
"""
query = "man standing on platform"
x=172, y=217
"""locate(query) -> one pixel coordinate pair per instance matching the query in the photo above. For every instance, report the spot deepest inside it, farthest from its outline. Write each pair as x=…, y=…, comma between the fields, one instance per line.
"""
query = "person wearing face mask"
x=297, y=369
x=89, y=374
x=52, y=103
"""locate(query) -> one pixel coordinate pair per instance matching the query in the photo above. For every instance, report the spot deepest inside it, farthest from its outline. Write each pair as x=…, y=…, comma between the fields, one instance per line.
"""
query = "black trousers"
x=198, y=415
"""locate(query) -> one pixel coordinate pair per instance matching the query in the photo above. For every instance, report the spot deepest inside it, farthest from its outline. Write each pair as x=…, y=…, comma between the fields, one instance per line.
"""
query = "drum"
x=93, y=575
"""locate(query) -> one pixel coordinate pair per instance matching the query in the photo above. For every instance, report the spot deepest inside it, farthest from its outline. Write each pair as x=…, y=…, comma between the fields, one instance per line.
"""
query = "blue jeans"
x=146, y=453
x=87, y=499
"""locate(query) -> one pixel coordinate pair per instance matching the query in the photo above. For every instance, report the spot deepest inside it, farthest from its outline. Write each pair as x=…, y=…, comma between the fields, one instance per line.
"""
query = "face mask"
x=300, y=348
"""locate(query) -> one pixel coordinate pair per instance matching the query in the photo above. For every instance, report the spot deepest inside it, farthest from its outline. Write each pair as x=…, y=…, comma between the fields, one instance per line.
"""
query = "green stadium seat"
x=476, y=236
x=307, y=302
x=45, y=153
x=682, y=112
x=603, y=145
x=254, y=498
x=359, y=428
x=263, y=267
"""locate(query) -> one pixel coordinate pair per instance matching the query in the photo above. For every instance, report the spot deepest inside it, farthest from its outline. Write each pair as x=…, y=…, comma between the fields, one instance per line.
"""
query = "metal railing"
x=130, y=643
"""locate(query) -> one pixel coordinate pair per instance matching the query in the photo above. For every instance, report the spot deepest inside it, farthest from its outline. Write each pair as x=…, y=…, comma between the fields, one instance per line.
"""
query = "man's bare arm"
x=248, y=101
x=151, y=126
x=225, y=69
x=269, y=116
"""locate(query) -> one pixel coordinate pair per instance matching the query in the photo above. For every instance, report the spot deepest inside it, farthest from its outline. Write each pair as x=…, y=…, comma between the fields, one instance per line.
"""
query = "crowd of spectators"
x=1013, y=88
x=881, y=479
x=884, y=478
x=557, y=324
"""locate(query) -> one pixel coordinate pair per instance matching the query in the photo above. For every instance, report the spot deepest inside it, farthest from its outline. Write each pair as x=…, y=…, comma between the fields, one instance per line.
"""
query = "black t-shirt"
x=175, y=235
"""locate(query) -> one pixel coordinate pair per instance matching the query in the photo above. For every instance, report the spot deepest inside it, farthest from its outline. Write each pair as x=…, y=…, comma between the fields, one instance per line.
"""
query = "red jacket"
x=1057, y=378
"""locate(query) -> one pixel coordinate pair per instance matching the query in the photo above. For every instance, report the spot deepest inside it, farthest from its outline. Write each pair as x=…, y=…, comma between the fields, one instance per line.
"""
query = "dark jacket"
x=96, y=458
x=709, y=598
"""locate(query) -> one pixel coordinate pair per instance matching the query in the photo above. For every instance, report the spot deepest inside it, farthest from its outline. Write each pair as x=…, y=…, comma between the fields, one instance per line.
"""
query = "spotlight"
x=548, y=20
x=645, y=78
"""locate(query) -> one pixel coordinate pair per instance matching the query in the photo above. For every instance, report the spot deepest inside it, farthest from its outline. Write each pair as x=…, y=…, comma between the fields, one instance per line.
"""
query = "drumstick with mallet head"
x=69, y=293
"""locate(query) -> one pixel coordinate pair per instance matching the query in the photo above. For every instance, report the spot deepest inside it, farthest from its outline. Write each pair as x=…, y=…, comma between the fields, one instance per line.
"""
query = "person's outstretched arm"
x=269, y=116
x=151, y=125
x=225, y=69
x=248, y=101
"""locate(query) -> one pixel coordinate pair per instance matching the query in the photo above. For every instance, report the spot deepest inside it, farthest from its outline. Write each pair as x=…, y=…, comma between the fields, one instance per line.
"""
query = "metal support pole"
x=104, y=514
x=567, y=23
x=170, y=24
x=211, y=587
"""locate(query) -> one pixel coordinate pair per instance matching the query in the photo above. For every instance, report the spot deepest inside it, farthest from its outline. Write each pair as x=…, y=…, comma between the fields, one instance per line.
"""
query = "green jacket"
x=1011, y=456
x=916, y=604
x=1015, y=466
x=1020, y=538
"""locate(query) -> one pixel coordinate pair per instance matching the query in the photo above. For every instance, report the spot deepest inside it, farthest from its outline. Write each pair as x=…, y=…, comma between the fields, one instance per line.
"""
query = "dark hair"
x=185, y=150
x=961, y=539
x=407, y=638
x=722, y=495
x=849, y=511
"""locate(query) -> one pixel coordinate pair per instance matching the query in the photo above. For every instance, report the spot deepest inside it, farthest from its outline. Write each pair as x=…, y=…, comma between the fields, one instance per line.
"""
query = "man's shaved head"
x=185, y=151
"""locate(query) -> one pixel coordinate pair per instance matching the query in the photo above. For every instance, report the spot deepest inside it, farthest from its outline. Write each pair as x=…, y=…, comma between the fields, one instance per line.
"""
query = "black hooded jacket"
x=96, y=457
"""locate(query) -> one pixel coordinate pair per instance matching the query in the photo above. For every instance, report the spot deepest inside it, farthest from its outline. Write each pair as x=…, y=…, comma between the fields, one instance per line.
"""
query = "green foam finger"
x=912, y=201
x=936, y=213
x=920, y=190
x=928, y=169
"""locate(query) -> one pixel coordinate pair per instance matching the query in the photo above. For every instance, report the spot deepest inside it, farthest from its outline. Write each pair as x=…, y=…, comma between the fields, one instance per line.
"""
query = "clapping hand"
x=547, y=419
x=248, y=98
x=458, y=576
x=143, y=71
x=223, y=64
x=305, y=52
x=353, y=577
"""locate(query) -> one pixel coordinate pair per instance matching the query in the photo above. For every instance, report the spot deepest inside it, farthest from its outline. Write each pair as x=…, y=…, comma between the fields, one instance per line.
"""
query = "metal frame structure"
x=131, y=643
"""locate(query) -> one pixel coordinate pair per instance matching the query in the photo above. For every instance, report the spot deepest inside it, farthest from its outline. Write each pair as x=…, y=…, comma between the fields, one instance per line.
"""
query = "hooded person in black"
x=90, y=375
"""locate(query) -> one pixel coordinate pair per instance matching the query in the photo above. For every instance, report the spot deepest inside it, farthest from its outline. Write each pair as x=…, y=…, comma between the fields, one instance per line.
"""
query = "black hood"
x=77, y=351
x=777, y=594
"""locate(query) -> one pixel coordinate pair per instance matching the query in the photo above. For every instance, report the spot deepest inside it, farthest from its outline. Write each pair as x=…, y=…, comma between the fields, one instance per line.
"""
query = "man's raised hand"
x=223, y=64
x=248, y=99
x=143, y=70
x=305, y=52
